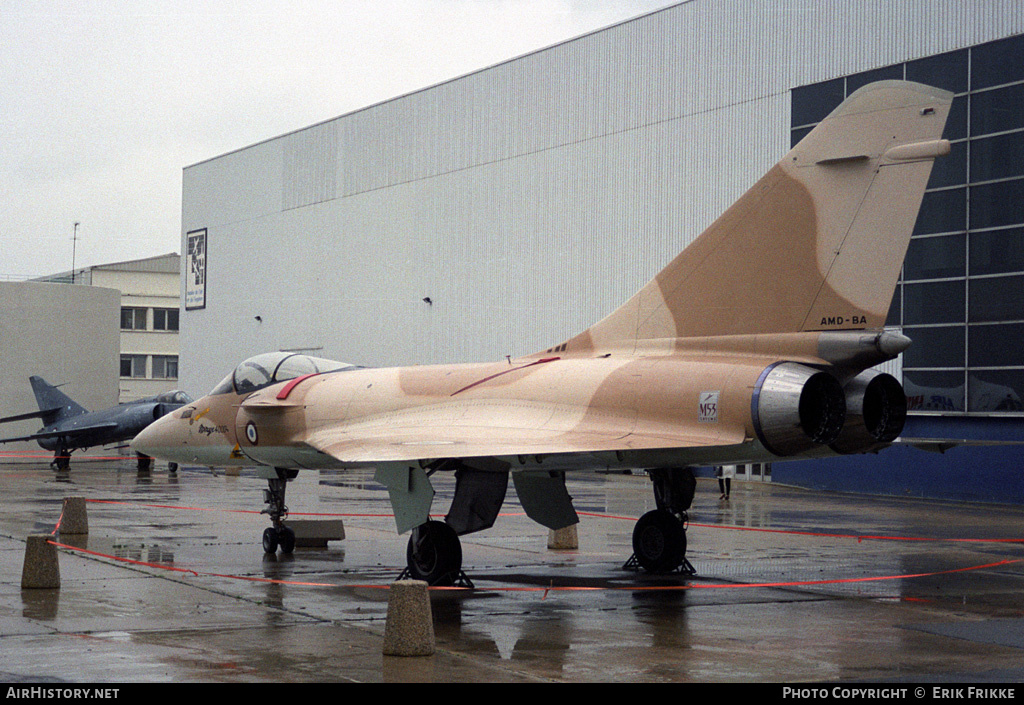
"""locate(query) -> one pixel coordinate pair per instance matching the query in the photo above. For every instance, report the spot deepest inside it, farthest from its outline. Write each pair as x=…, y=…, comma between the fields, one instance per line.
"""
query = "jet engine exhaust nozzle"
x=796, y=408
x=876, y=409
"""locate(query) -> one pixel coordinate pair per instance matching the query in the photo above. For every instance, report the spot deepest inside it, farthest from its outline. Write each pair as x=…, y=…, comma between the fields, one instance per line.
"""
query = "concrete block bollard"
x=317, y=532
x=41, y=569
x=409, y=630
x=564, y=539
x=74, y=521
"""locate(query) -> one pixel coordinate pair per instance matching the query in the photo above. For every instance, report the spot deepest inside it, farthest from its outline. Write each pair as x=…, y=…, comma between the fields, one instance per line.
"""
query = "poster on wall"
x=195, y=269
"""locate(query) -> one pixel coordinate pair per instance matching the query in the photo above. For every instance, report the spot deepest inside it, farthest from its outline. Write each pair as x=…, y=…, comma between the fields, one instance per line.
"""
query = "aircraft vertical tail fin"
x=54, y=405
x=816, y=244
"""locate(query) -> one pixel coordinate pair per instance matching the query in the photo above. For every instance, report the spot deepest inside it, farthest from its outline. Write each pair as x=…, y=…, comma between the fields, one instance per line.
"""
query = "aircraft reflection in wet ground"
x=527, y=619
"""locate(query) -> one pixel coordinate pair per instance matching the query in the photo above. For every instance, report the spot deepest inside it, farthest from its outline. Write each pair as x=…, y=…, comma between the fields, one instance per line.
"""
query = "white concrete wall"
x=68, y=335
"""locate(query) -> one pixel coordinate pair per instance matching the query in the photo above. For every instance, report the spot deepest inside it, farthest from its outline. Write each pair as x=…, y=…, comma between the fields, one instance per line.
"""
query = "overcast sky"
x=102, y=104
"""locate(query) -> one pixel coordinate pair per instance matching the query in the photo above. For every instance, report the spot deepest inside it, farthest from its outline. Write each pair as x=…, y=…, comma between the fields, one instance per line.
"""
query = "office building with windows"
x=506, y=210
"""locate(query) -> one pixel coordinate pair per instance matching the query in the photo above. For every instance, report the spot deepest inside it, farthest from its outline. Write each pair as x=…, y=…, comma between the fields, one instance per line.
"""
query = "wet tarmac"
x=172, y=585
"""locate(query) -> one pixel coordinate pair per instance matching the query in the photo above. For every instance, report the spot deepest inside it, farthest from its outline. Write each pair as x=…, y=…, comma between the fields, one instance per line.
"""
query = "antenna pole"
x=74, y=247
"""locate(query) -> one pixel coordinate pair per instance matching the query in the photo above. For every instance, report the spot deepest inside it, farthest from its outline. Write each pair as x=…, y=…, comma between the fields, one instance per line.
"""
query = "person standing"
x=725, y=475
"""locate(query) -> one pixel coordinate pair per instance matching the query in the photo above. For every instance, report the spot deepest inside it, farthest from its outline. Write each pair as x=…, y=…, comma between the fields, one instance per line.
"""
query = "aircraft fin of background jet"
x=816, y=244
x=54, y=404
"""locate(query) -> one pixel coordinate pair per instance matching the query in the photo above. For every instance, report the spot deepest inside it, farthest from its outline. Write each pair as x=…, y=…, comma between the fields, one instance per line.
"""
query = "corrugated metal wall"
x=530, y=198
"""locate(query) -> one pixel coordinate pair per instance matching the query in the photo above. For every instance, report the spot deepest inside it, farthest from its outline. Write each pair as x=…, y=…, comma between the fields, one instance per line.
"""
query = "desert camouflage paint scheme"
x=751, y=345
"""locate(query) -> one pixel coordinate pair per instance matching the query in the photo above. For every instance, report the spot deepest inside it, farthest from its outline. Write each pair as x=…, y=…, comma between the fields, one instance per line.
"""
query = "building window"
x=811, y=104
x=935, y=347
x=939, y=257
x=133, y=318
x=997, y=252
x=165, y=367
x=165, y=319
x=133, y=366
x=947, y=71
x=942, y=212
x=934, y=391
x=934, y=302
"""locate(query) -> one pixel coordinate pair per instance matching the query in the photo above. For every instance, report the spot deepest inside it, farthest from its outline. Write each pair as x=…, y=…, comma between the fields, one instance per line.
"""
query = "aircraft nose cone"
x=155, y=439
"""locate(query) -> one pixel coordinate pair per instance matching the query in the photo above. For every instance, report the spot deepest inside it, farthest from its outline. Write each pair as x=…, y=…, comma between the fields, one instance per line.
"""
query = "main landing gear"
x=278, y=535
x=659, y=537
x=434, y=555
x=61, y=458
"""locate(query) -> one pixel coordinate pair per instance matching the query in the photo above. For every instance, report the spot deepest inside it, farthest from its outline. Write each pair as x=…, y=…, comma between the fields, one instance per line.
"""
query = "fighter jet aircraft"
x=754, y=344
x=67, y=426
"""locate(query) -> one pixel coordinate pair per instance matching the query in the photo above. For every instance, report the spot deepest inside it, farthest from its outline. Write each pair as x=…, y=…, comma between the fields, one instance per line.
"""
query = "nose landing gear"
x=282, y=537
x=278, y=535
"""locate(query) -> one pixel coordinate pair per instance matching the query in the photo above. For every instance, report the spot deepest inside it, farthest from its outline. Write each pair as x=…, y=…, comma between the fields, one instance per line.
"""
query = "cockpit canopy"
x=270, y=368
x=175, y=396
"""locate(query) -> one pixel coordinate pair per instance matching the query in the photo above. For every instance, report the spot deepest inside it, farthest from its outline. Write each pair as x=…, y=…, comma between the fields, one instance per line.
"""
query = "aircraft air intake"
x=796, y=408
x=162, y=409
x=141, y=415
x=876, y=409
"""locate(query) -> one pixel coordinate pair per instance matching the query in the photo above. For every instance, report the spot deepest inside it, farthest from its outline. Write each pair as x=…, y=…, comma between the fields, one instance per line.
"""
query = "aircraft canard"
x=753, y=344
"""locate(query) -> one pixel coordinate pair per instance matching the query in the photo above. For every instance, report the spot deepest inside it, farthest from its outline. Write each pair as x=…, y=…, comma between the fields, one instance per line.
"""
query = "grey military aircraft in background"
x=67, y=426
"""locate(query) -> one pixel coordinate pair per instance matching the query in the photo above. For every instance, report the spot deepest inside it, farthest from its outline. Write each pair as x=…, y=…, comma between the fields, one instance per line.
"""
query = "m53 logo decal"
x=707, y=406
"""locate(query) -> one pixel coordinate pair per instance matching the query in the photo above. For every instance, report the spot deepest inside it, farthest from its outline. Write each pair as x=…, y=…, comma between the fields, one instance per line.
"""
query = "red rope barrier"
x=552, y=588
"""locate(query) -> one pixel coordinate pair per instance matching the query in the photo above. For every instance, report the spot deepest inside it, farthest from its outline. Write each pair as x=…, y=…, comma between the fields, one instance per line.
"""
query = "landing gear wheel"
x=659, y=541
x=286, y=539
x=270, y=540
x=434, y=554
x=61, y=458
x=172, y=467
x=273, y=497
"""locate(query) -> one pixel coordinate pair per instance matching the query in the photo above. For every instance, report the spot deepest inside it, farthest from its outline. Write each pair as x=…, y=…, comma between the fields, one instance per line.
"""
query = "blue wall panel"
x=975, y=473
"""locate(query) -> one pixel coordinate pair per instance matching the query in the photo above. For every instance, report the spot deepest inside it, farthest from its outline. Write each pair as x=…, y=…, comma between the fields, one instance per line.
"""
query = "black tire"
x=659, y=541
x=270, y=539
x=286, y=539
x=434, y=554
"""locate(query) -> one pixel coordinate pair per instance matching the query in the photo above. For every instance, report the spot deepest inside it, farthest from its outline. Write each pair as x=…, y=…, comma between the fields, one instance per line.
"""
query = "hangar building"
x=506, y=210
